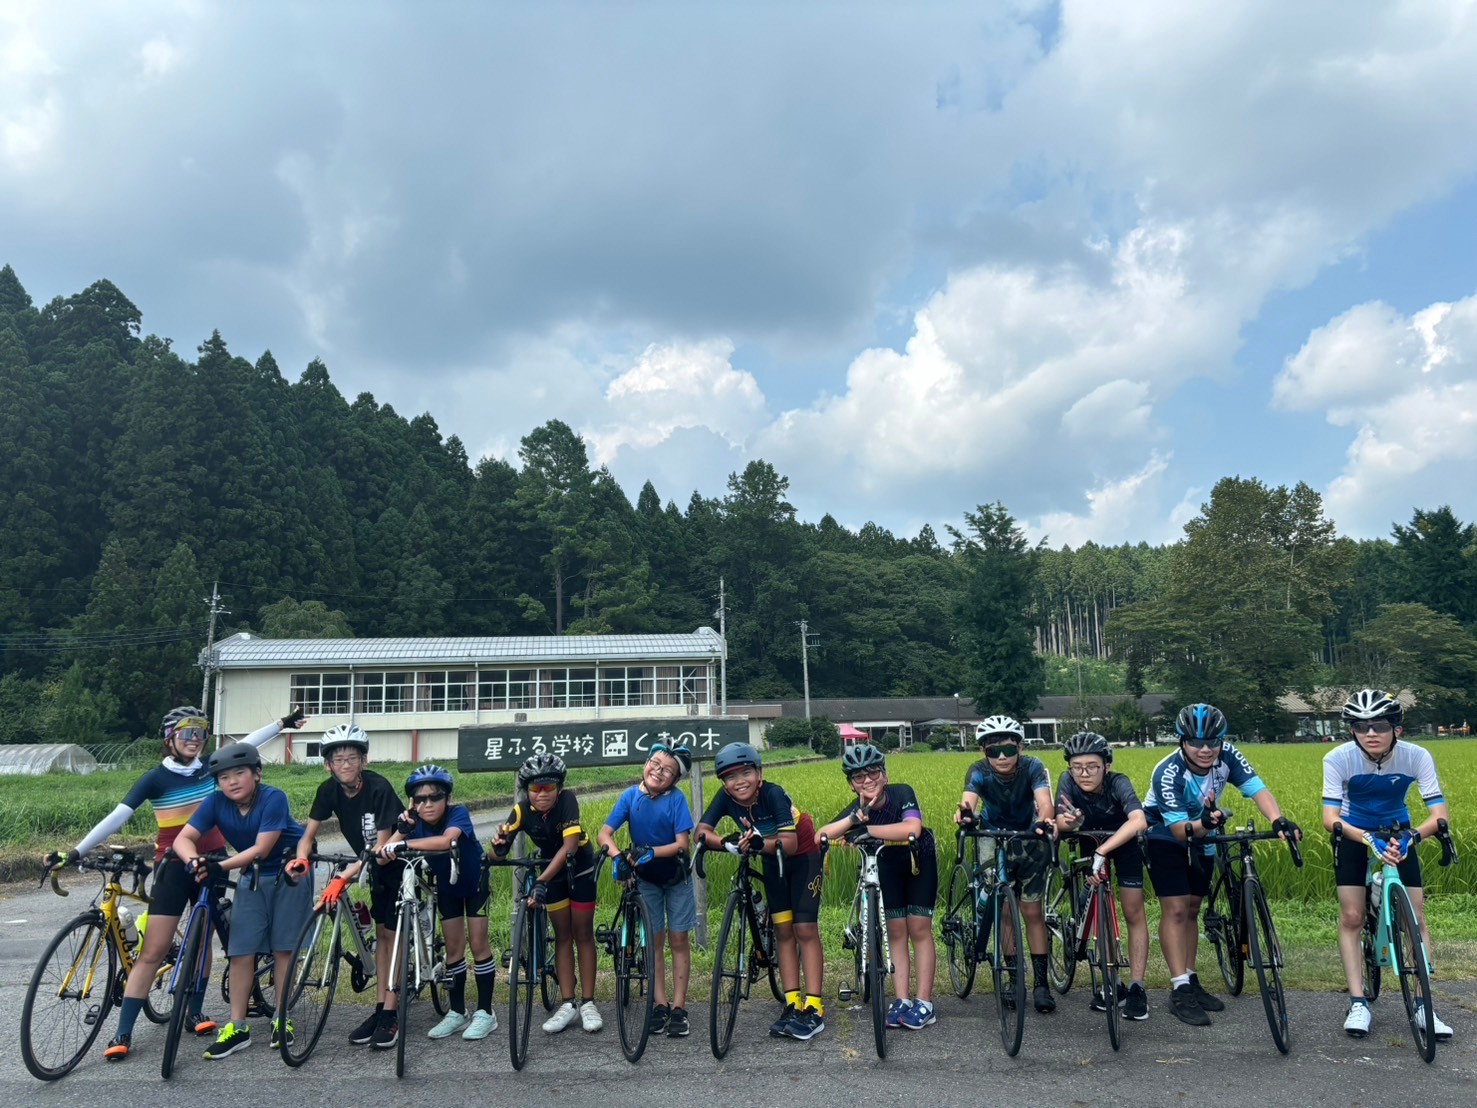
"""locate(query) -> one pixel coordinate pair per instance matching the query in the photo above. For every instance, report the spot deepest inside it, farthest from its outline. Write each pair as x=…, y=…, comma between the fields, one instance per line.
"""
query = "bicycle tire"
x=160, y=1001
x=1061, y=930
x=959, y=930
x=90, y=946
x=1224, y=929
x=1415, y=978
x=729, y=952
x=858, y=952
x=1010, y=992
x=635, y=974
x=548, y=983
x=770, y=943
x=521, y=970
x=188, y=980
x=1369, y=948
x=406, y=958
x=312, y=980
x=1105, y=959
x=876, y=973
x=1266, y=959
x=437, y=978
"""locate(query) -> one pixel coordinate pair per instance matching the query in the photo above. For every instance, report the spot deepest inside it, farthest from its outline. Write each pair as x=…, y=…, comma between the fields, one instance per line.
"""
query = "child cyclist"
x=549, y=814
x=1365, y=783
x=1091, y=797
x=174, y=789
x=661, y=824
x=910, y=880
x=432, y=822
x=366, y=807
x=767, y=821
x=268, y=913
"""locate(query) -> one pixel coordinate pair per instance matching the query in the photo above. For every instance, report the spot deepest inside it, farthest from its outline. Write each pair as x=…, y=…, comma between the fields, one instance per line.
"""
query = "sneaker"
x=386, y=1032
x=228, y=1042
x=1099, y=1002
x=117, y=1050
x=1208, y=1001
x=1045, y=1002
x=364, y=1033
x=204, y=1025
x=483, y=1024
x=277, y=1034
x=563, y=1016
x=1443, y=1032
x=677, y=1025
x=1186, y=1007
x=919, y=1015
x=1356, y=1023
x=780, y=1028
x=807, y=1024
x=590, y=1018
x=660, y=1014
x=1136, y=1003
x=450, y=1024
x=895, y=1012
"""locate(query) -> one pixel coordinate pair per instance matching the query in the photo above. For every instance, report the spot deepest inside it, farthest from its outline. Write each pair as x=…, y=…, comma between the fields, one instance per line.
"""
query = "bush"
x=827, y=738
x=789, y=732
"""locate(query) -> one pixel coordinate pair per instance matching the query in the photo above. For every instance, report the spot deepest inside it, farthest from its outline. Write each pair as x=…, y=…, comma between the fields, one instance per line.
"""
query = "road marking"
x=11, y=921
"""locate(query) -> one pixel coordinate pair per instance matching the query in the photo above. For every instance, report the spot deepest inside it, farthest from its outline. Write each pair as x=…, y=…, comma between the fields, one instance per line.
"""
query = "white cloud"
x=158, y=57
x=1118, y=511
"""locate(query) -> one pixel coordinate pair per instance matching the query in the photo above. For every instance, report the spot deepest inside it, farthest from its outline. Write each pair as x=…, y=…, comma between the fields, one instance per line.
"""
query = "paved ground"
x=1065, y=1059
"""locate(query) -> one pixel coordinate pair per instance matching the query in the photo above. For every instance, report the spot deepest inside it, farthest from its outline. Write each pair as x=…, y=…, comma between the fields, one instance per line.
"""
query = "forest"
x=134, y=478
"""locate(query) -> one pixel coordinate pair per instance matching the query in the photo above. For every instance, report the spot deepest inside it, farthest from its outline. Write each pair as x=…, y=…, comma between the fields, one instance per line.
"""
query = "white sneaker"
x=563, y=1016
x=1356, y=1023
x=591, y=1021
x=450, y=1024
x=483, y=1024
x=1442, y=1031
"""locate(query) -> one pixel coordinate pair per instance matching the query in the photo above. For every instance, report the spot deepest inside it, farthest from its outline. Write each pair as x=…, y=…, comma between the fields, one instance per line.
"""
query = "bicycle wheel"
x=548, y=982
x=1222, y=925
x=958, y=931
x=405, y=956
x=189, y=980
x=263, y=1002
x=852, y=936
x=311, y=982
x=1415, y=977
x=635, y=969
x=522, y=968
x=1104, y=959
x=437, y=978
x=160, y=1001
x=769, y=944
x=1265, y=954
x=876, y=973
x=1061, y=930
x=68, y=999
x=1370, y=947
x=728, y=976
x=1010, y=968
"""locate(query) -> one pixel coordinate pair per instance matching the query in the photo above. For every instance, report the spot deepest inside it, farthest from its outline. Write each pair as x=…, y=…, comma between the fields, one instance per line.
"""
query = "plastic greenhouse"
x=34, y=759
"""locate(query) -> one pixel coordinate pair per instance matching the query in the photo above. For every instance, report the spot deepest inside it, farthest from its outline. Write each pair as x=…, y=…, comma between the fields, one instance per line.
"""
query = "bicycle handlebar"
x=730, y=846
x=1443, y=835
x=117, y=862
x=1251, y=835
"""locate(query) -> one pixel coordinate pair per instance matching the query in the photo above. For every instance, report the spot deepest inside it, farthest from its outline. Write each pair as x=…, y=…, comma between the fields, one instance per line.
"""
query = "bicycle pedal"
x=94, y=1013
x=604, y=935
x=845, y=993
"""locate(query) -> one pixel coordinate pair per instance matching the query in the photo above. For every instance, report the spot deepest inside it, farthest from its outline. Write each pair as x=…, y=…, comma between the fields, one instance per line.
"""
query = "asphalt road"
x=1065, y=1059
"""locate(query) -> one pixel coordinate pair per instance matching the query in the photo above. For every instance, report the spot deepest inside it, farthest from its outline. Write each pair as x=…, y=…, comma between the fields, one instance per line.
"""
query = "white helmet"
x=343, y=734
x=999, y=725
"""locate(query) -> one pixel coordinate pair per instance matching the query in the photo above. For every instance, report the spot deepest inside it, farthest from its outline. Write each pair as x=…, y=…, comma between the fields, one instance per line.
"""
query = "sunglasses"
x=427, y=798
x=1002, y=751
x=1374, y=727
x=190, y=734
x=1203, y=744
x=551, y=787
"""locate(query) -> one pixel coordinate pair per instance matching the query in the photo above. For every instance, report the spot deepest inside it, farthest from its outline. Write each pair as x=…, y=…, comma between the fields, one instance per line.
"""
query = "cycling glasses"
x=1010, y=750
x=427, y=798
x=1373, y=727
x=190, y=734
x=544, y=787
x=1203, y=744
x=865, y=774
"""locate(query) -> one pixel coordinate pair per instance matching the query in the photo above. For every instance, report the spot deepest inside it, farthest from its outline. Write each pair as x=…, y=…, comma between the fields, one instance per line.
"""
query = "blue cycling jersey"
x=1370, y=795
x=1178, y=793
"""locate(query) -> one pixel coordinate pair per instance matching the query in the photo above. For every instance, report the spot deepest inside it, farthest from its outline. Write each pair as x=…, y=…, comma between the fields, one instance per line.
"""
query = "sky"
x=1083, y=259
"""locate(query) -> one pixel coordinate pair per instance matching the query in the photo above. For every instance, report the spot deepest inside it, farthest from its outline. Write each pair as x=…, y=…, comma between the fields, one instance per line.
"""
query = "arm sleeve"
x=907, y=802
x=1166, y=791
x=780, y=808
x=263, y=735
x=108, y=826
x=1241, y=774
x=974, y=780
x=1334, y=781
x=1427, y=781
x=569, y=814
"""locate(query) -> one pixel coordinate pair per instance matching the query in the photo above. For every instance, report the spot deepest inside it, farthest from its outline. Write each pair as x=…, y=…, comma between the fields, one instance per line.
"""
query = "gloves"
x=540, y=894
x=641, y=855
x=333, y=890
x=293, y=719
x=1286, y=828
x=1099, y=863
x=1043, y=828
x=56, y=859
x=405, y=823
x=1212, y=818
x=392, y=850
x=212, y=869
x=295, y=870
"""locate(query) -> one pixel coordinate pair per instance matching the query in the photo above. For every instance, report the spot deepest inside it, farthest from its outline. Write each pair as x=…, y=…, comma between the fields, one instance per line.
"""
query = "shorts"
x=1027, y=863
x=384, y=891
x=174, y=889
x=575, y=891
x=796, y=896
x=463, y=901
x=270, y=917
x=905, y=893
x=1128, y=865
x=1177, y=871
x=1351, y=865
x=672, y=907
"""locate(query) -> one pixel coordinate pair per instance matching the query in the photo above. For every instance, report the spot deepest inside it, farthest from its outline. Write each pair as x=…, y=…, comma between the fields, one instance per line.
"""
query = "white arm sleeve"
x=110, y=825
x=263, y=735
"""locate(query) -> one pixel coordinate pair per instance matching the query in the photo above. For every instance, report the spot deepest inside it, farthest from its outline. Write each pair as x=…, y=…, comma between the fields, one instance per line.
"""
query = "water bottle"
x=761, y=910
x=361, y=916
x=141, y=923
x=130, y=931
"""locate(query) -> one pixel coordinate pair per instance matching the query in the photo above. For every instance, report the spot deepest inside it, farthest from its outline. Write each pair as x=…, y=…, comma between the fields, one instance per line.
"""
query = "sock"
x=1176, y=982
x=379, y=1008
x=197, y=1003
x=486, y=973
x=813, y=1001
x=1136, y=981
x=458, y=990
x=793, y=999
x=128, y=1015
x=1359, y=1000
x=1038, y=969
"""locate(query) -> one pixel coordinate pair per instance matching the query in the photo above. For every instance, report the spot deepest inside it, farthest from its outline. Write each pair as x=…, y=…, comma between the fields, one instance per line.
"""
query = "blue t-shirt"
x=268, y=812
x=1371, y=795
x=469, y=852
x=1177, y=793
x=655, y=821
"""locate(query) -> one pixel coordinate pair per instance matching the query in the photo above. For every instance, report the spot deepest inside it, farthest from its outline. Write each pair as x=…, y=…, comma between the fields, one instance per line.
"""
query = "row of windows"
x=492, y=690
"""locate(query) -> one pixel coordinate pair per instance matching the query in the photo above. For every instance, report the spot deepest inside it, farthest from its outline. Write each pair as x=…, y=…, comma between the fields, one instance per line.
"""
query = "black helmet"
x=862, y=756
x=540, y=767
x=1087, y=742
x=235, y=756
x=1200, y=721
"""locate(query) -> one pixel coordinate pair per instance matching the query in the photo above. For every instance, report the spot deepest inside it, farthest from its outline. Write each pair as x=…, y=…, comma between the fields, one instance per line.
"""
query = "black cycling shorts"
x=574, y=885
x=905, y=893
x=795, y=897
x=1177, y=871
x=1351, y=865
x=1128, y=864
x=384, y=891
x=173, y=890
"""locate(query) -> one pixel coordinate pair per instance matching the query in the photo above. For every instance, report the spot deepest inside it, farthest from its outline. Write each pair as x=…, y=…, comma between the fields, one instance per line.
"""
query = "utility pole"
x=805, y=645
x=722, y=614
x=207, y=657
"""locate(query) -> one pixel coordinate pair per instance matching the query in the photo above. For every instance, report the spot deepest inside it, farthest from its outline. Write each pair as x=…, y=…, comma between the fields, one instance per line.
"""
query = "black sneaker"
x=780, y=1028
x=1136, y=1004
x=1045, y=1002
x=228, y=1042
x=1208, y=1001
x=807, y=1024
x=677, y=1025
x=387, y=1033
x=364, y=1033
x=1185, y=1006
x=660, y=1014
x=1100, y=1005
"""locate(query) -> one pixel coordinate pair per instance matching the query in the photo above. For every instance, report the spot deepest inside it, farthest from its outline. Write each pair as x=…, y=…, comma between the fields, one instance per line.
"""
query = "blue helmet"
x=428, y=774
x=734, y=756
x=1200, y=721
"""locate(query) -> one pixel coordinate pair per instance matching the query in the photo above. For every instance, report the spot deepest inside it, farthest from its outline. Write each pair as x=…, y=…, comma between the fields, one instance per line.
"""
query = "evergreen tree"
x=1003, y=672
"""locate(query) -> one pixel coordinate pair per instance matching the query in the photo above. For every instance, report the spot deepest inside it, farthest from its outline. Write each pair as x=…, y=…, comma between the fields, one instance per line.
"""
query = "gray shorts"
x=672, y=907
x=270, y=917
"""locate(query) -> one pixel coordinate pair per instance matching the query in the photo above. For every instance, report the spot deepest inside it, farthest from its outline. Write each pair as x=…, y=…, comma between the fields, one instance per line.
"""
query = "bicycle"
x=334, y=936
x=628, y=941
x=1392, y=935
x=530, y=954
x=865, y=934
x=1082, y=926
x=418, y=955
x=741, y=954
x=82, y=972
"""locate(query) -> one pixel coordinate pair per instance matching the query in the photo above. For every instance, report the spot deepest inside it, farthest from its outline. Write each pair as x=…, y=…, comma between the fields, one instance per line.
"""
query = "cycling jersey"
x=1372, y=796
x=1007, y=803
x=897, y=803
x=1178, y=793
x=771, y=813
x=551, y=830
x=1108, y=808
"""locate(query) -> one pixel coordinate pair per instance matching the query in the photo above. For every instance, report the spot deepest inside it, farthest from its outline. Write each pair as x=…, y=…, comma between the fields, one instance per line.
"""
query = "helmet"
x=428, y=774
x=175, y=716
x=1372, y=704
x=735, y=755
x=541, y=766
x=999, y=725
x=234, y=756
x=682, y=755
x=1088, y=742
x=862, y=756
x=1200, y=721
x=343, y=734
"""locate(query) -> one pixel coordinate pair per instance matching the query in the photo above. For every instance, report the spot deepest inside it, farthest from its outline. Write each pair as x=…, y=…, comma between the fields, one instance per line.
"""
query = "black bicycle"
x=530, y=954
x=629, y=942
x=746, y=944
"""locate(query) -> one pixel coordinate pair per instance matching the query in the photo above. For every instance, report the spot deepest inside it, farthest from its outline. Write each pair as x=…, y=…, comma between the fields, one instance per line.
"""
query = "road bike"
x=1082, y=926
x=629, y=941
x=418, y=956
x=530, y=954
x=746, y=944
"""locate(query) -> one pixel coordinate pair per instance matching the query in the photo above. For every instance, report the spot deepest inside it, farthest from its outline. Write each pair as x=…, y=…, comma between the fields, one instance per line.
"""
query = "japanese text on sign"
x=599, y=742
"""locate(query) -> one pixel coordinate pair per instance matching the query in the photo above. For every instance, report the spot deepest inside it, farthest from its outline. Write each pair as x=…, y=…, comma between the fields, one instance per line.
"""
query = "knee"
x=807, y=932
x=1351, y=917
x=678, y=941
x=920, y=929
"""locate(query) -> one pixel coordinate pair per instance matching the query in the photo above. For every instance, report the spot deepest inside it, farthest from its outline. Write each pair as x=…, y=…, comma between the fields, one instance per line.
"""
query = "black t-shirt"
x=897, y=803
x=551, y=830
x=374, y=808
x=1106, y=809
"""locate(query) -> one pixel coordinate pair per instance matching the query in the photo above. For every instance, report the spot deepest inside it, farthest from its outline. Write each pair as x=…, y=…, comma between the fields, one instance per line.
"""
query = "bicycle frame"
x=415, y=888
x=857, y=935
x=106, y=902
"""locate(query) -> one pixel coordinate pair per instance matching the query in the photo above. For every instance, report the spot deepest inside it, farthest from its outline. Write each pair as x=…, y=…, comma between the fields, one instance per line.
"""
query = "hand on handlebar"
x=1044, y=828
x=1286, y=828
x=1213, y=819
x=965, y=816
x=206, y=869
x=57, y=859
x=332, y=891
x=392, y=850
x=1099, y=868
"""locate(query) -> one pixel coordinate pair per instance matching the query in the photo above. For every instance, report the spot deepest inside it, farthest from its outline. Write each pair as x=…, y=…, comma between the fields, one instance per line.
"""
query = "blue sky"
x=917, y=257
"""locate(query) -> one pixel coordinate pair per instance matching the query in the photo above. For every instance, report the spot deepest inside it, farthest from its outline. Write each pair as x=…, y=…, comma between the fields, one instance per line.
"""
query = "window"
x=581, y=688
x=522, y=688
x=492, y=690
x=459, y=690
x=399, y=692
x=321, y=693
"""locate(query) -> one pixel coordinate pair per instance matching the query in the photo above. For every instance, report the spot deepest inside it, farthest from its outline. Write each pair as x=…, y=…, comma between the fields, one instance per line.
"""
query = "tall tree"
x=1436, y=557
x=996, y=626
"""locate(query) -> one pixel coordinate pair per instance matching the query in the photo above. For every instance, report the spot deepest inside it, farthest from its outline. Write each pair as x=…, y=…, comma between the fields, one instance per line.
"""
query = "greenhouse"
x=34, y=759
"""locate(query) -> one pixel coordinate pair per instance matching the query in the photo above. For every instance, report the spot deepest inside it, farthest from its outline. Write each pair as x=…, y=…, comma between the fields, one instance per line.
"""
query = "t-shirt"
x=655, y=821
x=374, y=808
x=1007, y=803
x=175, y=793
x=771, y=813
x=268, y=812
x=469, y=852
x=1372, y=796
x=551, y=830
x=1108, y=808
x=897, y=804
x=1178, y=793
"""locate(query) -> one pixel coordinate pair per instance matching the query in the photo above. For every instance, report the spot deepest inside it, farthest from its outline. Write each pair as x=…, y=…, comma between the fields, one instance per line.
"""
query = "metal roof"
x=919, y=708
x=248, y=651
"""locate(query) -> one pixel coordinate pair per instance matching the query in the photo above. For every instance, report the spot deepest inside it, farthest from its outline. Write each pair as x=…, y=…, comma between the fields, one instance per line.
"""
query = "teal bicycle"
x=1392, y=935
